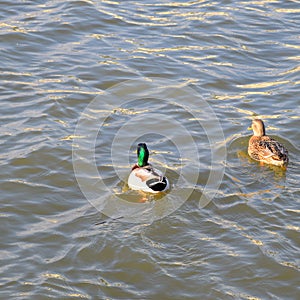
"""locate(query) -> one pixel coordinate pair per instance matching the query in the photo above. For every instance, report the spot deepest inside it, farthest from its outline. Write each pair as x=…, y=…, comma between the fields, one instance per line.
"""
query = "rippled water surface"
x=240, y=58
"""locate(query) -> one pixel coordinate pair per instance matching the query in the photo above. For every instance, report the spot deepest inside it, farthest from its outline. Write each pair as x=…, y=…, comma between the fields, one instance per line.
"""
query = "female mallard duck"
x=143, y=176
x=265, y=149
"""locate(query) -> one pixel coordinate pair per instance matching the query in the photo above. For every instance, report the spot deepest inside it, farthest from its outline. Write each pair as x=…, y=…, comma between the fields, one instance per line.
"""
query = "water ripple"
x=242, y=58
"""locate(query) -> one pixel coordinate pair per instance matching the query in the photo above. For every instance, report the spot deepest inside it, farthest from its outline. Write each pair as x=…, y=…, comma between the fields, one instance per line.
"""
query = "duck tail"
x=157, y=184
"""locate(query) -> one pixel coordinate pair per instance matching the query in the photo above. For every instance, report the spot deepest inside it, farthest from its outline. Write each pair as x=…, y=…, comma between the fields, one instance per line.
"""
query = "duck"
x=265, y=149
x=143, y=176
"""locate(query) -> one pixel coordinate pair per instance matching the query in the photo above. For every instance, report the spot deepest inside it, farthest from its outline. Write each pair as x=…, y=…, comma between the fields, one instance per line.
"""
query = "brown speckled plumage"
x=264, y=148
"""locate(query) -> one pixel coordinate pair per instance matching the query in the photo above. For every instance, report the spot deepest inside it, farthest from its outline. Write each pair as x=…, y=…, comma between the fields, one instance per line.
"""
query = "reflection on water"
x=249, y=178
x=242, y=58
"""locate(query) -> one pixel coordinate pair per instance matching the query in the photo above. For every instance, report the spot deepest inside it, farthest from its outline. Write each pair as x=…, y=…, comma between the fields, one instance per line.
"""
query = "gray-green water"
x=242, y=58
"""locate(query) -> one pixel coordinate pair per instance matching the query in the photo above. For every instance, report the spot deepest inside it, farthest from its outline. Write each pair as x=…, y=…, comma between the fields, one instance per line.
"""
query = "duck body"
x=264, y=148
x=144, y=177
x=147, y=179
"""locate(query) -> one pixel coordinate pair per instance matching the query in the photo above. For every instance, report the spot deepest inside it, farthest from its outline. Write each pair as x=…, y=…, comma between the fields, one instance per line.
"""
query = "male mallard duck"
x=265, y=149
x=143, y=176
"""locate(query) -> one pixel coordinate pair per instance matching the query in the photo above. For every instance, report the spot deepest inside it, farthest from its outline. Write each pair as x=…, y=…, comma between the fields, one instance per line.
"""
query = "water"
x=240, y=58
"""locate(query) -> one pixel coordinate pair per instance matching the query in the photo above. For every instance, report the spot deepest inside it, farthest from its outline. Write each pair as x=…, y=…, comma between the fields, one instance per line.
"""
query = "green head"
x=143, y=155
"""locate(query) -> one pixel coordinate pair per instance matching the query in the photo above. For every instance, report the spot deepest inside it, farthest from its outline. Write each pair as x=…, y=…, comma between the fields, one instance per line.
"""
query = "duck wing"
x=272, y=148
x=157, y=183
x=151, y=178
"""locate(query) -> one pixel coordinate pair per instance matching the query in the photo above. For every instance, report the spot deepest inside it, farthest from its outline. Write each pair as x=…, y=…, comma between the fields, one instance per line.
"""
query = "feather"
x=144, y=177
x=264, y=148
